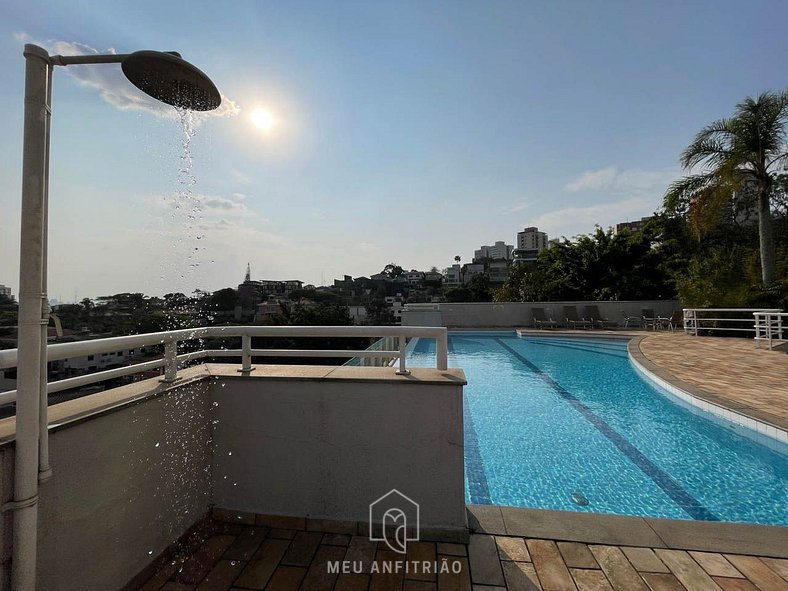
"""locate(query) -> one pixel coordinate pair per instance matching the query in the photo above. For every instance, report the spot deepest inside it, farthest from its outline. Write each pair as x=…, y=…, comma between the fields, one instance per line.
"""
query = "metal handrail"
x=771, y=323
x=171, y=359
x=693, y=322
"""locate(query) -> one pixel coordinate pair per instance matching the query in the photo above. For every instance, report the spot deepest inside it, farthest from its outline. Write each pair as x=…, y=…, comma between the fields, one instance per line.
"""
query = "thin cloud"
x=113, y=86
x=208, y=207
x=210, y=203
x=632, y=181
x=593, y=179
x=571, y=221
x=240, y=177
x=518, y=207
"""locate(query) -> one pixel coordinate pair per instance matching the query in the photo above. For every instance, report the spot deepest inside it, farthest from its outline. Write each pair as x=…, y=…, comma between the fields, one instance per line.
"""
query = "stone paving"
x=751, y=381
x=236, y=557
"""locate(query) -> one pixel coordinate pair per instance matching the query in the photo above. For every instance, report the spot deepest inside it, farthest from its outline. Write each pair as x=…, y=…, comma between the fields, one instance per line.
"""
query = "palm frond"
x=679, y=194
x=709, y=143
x=706, y=208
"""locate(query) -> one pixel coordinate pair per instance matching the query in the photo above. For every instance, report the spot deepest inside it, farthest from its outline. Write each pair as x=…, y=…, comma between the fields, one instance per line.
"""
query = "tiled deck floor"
x=249, y=557
x=754, y=380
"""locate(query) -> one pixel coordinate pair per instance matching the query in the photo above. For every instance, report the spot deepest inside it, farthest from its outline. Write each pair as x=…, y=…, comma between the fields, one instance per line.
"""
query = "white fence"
x=171, y=359
x=769, y=327
x=709, y=319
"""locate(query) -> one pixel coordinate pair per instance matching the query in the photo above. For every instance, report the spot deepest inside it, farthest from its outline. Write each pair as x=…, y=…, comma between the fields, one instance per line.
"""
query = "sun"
x=262, y=119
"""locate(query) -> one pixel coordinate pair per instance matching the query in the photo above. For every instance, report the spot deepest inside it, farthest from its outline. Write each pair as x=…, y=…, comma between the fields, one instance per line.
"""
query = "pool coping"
x=624, y=530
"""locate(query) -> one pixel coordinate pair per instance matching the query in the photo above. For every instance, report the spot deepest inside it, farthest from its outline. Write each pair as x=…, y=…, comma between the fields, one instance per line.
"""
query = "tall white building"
x=532, y=239
x=530, y=242
x=498, y=251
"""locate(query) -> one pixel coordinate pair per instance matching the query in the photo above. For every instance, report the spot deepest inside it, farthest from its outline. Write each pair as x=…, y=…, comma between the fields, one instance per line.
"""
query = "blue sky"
x=405, y=131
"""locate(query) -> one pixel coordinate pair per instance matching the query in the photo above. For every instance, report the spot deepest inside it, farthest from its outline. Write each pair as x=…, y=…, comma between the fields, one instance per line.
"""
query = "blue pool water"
x=554, y=423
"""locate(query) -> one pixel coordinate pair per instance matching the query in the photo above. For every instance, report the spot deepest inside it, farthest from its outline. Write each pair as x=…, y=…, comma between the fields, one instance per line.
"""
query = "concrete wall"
x=328, y=449
x=518, y=314
x=126, y=485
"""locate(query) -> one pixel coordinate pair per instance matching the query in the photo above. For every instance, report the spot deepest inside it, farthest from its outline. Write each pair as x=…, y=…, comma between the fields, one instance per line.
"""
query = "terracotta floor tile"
x=512, y=549
x=590, y=580
x=550, y=567
x=577, y=555
x=617, y=568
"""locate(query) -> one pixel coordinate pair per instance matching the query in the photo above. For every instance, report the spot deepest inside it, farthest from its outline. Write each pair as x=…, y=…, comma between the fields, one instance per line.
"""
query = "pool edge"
x=624, y=530
x=763, y=432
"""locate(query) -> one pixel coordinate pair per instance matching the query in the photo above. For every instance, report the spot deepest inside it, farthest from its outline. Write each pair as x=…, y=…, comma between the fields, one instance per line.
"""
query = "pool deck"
x=506, y=551
x=728, y=372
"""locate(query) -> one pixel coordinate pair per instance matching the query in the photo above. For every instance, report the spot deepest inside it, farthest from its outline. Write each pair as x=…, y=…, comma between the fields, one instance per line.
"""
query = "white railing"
x=695, y=319
x=171, y=358
x=769, y=327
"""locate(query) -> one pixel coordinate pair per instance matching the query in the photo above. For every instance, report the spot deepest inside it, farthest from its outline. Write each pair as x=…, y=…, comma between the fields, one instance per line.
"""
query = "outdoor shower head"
x=171, y=79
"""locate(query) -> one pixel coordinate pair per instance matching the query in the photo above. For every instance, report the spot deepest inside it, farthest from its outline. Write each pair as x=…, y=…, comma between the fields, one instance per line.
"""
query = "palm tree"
x=740, y=156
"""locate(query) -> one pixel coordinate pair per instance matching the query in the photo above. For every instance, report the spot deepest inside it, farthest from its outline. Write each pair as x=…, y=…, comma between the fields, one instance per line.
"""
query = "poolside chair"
x=633, y=320
x=591, y=313
x=650, y=320
x=540, y=320
x=676, y=320
x=573, y=320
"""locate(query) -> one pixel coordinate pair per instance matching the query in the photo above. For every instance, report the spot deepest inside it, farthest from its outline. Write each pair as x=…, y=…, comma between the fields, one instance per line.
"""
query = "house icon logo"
x=394, y=519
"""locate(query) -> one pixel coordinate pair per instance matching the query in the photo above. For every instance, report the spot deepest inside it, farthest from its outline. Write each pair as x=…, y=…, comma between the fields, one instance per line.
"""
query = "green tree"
x=223, y=299
x=476, y=290
x=603, y=266
x=379, y=313
x=393, y=270
x=740, y=159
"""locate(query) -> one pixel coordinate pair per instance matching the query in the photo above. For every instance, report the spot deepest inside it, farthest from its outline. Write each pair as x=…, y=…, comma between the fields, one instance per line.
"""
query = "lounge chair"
x=650, y=320
x=540, y=320
x=573, y=320
x=633, y=320
x=591, y=313
x=675, y=321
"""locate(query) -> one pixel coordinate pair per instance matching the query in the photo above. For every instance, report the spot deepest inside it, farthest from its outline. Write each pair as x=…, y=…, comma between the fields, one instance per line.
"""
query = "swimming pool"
x=568, y=424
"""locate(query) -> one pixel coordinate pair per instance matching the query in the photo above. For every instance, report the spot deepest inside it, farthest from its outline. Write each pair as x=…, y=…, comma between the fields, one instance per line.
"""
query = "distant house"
x=452, y=276
x=634, y=226
x=415, y=278
x=498, y=271
x=472, y=269
x=268, y=308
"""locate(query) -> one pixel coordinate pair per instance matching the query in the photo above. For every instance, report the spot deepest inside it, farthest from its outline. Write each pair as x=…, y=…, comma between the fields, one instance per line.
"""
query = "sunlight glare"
x=262, y=119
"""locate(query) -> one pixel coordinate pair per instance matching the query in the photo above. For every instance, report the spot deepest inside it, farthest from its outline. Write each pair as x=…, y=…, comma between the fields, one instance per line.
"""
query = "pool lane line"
x=478, y=488
x=662, y=479
x=580, y=348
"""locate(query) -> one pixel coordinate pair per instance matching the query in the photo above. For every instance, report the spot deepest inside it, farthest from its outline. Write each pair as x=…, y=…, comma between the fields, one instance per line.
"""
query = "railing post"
x=442, y=351
x=171, y=362
x=402, y=371
x=246, y=354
